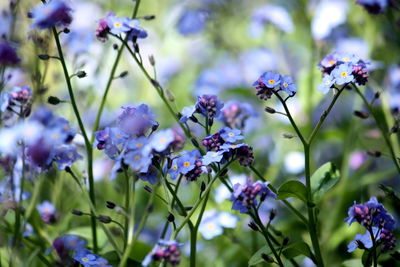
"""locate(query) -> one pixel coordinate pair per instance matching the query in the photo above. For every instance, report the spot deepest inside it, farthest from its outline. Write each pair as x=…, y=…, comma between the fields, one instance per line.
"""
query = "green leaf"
x=293, y=188
x=298, y=248
x=324, y=179
x=366, y=259
x=256, y=258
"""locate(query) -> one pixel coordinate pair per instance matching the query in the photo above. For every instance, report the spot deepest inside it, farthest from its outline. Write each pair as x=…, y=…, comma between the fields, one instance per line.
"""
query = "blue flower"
x=8, y=55
x=212, y=156
x=51, y=14
x=229, y=146
x=209, y=106
x=65, y=155
x=365, y=239
x=135, y=30
x=274, y=14
x=288, y=86
x=73, y=242
x=138, y=160
x=149, y=176
x=187, y=112
x=213, y=223
x=186, y=163
x=87, y=258
x=161, y=140
x=118, y=25
x=136, y=121
x=246, y=196
x=192, y=22
x=268, y=79
x=111, y=139
x=236, y=113
x=230, y=135
x=47, y=211
x=326, y=84
x=174, y=170
x=343, y=74
x=138, y=143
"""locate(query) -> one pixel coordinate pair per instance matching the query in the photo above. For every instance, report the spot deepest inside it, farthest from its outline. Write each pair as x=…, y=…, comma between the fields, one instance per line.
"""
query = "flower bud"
x=66, y=31
x=253, y=226
x=194, y=142
x=272, y=215
x=288, y=135
x=394, y=129
x=285, y=241
x=104, y=219
x=152, y=60
x=53, y=100
x=149, y=17
x=81, y=74
x=110, y=205
x=123, y=74
x=270, y=110
x=115, y=46
x=361, y=114
x=203, y=186
x=44, y=57
x=374, y=153
x=171, y=217
x=77, y=212
x=267, y=258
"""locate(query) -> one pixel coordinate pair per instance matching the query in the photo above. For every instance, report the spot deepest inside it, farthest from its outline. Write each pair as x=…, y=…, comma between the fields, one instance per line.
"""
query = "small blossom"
x=213, y=142
x=288, y=86
x=87, y=258
x=326, y=84
x=343, y=74
x=186, y=163
x=51, y=14
x=117, y=25
x=8, y=54
x=212, y=156
x=209, y=106
x=365, y=239
x=266, y=84
x=235, y=114
x=230, y=135
x=161, y=140
x=47, y=211
x=187, y=113
x=213, y=223
x=192, y=21
x=136, y=121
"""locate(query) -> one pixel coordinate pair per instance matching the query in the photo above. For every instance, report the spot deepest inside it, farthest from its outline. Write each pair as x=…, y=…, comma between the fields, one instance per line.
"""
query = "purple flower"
x=326, y=84
x=328, y=63
x=161, y=140
x=343, y=74
x=371, y=213
x=66, y=245
x=246, y=196
x=373, y=6
x=87, y=258
x=103, y=28
x=230, y=135
x=212, y=156
x=192, y=21
x=235, y=114
x=388, y=240
x=47, y=211
x=51, y=14
x=213, y=142
x=8, y=54
x=164, y=250
x=65, y=155
x=136, y=121
x=209, y=106
x=288, y=86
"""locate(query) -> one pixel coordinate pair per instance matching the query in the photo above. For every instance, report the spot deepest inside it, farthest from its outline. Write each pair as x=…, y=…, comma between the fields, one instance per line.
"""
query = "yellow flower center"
x=85, y=259
x=231, y=134
x=345, y=59
x=163, y=140
x=210, y=226
x=186, y=164
x=233, y=146
x=271, y=81
x=174, y=167
x=138, y=157
x=327, y=82
x=117, y=24
x=214, y=154
x=285, y=84
x=344, y=74
x=331, y=62
x=139, y=144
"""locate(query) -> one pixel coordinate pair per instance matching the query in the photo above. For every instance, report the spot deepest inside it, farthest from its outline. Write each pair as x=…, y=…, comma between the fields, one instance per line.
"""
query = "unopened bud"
x=123, y=74
x=377, y=95
x=272, y=215
x=374, y=153
x=288, y=135
x=81, y=74
x=110, y=205
x=149, y=17
x=77, y=212
x=171, y=217
x=188, y=208
x=270, y=110
x=203, y=186
x=150, y=208
x=66, y=31
x=53, y=100
x=104, y=219
x=136, y=47
x=155, y=83
x=194, y=142
x=44, y=57
x=361, y=114
x=152, y=60
x=267, y=258
x=394, y=129
x=115, y=46
x=253, y=226
x=194, y=119
x=155, y=126
x=285, y=241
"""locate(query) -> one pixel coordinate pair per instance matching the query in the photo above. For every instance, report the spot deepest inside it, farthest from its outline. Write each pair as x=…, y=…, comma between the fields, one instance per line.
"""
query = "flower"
x=209, y=106
x=111, y=140
x=187, y=113
x=212, y=156
x=230, y=135
x=365, y=240
x=235, y=114
x=136, y=121
x=164, y=250
x=343, y=74
x=186, y=163
x=192, y=21
x=373, y=6
x=161, y=140
x=274, y=14
x=326, y=84
x=135, y=31
x=47, y=211
x=117, y=25
x=51, y=14
x=265, y=84
x=65, y=155
x=87, y=258
x=288, y=86
x=246, y=196
x=213, y=223
x=213, y=142
x=138, y=160
x=8, y=54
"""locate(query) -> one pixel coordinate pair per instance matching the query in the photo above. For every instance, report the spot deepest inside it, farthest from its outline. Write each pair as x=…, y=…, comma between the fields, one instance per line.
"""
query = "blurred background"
x=221, y=47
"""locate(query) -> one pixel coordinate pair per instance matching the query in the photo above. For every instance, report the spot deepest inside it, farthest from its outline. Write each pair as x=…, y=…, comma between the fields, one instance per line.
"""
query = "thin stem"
x=111, y=78
x=88, y=146
x=127, y=200
x=287, y=204
x=324, y=115
x=381, y=128
x=373, y=246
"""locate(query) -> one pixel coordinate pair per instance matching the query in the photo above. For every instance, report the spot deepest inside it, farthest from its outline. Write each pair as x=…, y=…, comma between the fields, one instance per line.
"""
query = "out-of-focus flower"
x=357, y=159
x=235, y=114
x=117, y=25
x=373, y=6
x=273, y=14
x=78, y=41
x=16, y=104
x=66, y=245
x=192, y=21
x=187, y=113
x=328, y=14
x=51, y=14
x=213, y=222
x=343, y=74
x=326, y=84
x=248, y=195
x=222, y=193
x=161, y=140
x=294, y=162
x=8, y=54
x=212, y=156
x=164, y=250
x=47, y=211
x=111, y=139
x=365, y=239
x=87, y=258
x=136, y=121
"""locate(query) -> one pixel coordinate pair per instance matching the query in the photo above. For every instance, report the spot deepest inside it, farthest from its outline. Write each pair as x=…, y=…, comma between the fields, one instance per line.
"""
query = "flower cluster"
x=164, y=250
x=48, y=212
x=8, y=54
x=16, y=103
x=208, y=106
x=131, y=145
x=270, y=82
x=118, y=25
x=235, y=114
x=342, y=69
x=377, y=221
x=221, y=146
x=246, y=196
x=51, y=14
x=188, y=164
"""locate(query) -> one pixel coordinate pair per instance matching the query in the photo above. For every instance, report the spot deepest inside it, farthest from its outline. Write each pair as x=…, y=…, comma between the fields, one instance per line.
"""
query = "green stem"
x=127, y=200
x=373, y=246
x=89, y=150
x=111, y=78
x=384, y=131
x=287, y=204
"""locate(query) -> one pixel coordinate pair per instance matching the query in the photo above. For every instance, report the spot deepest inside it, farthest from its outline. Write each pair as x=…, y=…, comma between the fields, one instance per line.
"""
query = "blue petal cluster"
x=51, y=14
x=270, y=82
